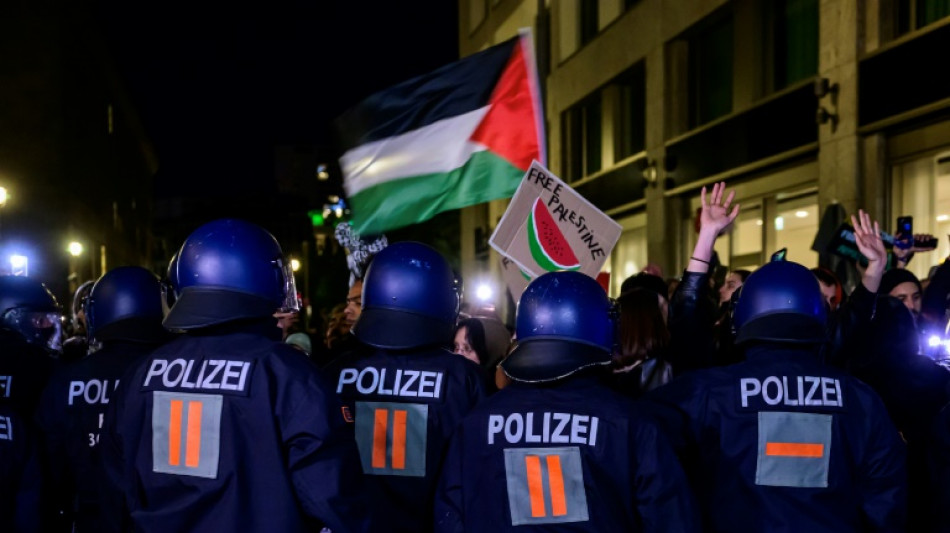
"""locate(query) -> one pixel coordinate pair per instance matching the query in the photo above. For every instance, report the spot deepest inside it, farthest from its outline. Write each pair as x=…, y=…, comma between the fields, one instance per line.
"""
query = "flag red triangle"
x=510, y=128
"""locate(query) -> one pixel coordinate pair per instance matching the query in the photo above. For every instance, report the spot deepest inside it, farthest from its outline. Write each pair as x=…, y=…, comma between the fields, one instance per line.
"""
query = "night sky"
x=217, y=87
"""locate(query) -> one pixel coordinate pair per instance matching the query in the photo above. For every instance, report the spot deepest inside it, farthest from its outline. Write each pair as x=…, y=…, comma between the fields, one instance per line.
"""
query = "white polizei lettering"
x=185, y=384
x=382, y=384
x=391, y=382
x=167, y=379
x=210, y=381
x=828, y=387
x=413, y=375
x=558, y=436
x=788, y=399
x=814, y=382
x=233, y=370
x=98, y=396
x=528, y=426
x=360, y=382
x=749, y=387
x=518, y=422
x=5, y=382
x=6, y=428
x=427, y=380
x=495, y=425
x=397, y=381
x=533, y=427
x=210, y=374
x=778, y=390
x=156, y=369
x=75, y=389
x=347, y=377
x=579, y=429
x=809, y=391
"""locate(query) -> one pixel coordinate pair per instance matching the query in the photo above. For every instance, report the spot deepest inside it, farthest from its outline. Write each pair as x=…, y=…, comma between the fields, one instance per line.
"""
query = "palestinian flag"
x=461, y=135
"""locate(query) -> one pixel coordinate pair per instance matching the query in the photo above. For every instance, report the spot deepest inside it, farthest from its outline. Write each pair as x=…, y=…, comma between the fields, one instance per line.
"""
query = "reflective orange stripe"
x=193, y=437
x=535, y=489
x=174, y=433
x=794, y=449
x=399, y=439
x=556, y=481
x=379, y=438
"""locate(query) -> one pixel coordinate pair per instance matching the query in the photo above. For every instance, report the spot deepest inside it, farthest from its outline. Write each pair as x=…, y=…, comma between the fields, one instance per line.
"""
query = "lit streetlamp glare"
x=75, y=249
x=294, y=265
x=484, y=292
x=3, y=196
x=19, y=265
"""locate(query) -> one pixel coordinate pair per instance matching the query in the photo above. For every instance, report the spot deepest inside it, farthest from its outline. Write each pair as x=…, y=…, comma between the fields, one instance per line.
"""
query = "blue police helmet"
x=229, y=270
x=27, y=307
x=410, y=299
x=125, y=304
x=565, y=323
x=781, y=302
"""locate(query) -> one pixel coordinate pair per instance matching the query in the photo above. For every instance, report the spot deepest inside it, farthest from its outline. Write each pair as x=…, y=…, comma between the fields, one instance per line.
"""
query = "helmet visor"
x=41, y=328
x=290, y=303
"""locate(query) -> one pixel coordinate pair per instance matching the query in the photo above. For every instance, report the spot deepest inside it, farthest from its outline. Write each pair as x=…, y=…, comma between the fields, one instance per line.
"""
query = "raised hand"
x=716, y=215
x=867, y=236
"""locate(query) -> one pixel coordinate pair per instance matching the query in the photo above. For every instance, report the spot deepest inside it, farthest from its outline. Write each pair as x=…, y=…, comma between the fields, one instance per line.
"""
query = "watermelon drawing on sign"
x=549, y=248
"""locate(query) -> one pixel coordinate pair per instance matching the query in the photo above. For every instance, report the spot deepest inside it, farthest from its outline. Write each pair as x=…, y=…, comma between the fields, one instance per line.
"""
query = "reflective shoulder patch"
x=186, y=433
x=545, y=485
x=391, y=438
x=794, y=449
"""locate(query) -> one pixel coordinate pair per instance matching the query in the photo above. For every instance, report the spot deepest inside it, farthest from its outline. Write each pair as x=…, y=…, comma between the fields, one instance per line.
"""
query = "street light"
x=3, y=201
x=294, y=265
x=19, y=265
x=75, y=249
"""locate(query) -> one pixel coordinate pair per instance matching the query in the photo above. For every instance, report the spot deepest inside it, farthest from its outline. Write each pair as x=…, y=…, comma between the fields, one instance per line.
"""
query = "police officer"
x=558, y=448
x=21, y=479
x=30, y=335
x=123, y=315
x=225, y=428
x=405, y=390
x=781, y=441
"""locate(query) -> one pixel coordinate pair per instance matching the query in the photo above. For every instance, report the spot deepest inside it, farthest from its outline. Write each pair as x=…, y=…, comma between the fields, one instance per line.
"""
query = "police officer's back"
x=406, y=392
x=124, y=317
x=559, y=450
x=225, y=428
x=782, y=442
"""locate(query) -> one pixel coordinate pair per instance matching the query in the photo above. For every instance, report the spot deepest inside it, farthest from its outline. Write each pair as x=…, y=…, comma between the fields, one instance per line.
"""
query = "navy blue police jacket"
x=226, y=429
x=24, y=372
x=784, y=443
x=21, y=480
x=405, y=406
x=575, y=456
x=70, y=418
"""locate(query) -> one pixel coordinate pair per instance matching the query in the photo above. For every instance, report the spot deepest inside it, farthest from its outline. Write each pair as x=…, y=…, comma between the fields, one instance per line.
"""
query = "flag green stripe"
x=398, y=203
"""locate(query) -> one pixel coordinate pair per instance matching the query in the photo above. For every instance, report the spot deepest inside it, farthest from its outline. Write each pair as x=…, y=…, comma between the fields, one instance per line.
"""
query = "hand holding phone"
x=904, y=233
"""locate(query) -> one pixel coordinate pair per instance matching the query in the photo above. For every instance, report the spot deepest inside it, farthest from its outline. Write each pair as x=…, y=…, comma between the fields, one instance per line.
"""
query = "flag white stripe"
x=438, y=147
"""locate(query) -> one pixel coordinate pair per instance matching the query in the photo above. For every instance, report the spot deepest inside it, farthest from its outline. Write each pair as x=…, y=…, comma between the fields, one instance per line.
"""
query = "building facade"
x=809, y=109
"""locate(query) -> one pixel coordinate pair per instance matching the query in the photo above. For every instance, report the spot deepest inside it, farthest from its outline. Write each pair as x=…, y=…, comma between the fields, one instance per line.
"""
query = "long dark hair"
x=475, y=335
x=643, y=333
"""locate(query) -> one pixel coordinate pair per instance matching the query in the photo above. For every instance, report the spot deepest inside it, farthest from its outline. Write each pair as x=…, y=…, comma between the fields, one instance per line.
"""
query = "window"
x=629, y=256
x=631, y=126
x=795, y=227
x=710, y=70
x=582, y=138
x=910, y=15
x=795, y=41
x=921, y=189
x=588, y=20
